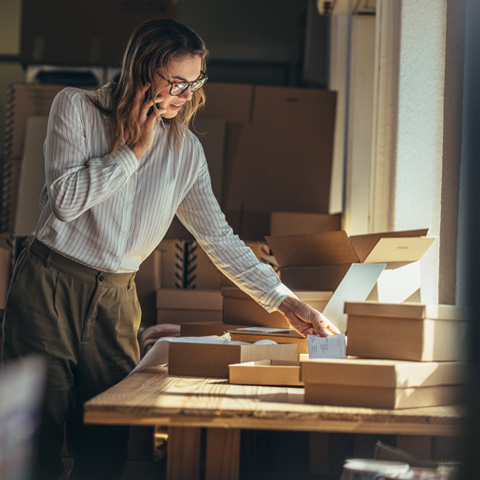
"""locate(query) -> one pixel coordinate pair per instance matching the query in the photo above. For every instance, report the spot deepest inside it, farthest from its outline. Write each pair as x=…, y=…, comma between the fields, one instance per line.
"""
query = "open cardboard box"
x=406, y=331
x=360, y=382
x=180, y=305
x=239, y=308
x=266, y=372
x=212, y=360
x=320, y=261
x=286, y=335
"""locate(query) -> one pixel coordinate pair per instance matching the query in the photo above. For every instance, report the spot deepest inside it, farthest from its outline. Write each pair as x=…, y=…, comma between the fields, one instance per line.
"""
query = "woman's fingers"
x=151, y=110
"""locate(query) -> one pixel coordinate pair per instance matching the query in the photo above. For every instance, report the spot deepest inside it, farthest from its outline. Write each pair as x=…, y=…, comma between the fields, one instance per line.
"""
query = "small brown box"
x=239, y=308
x=406, y=331
x=389, y=384
x=213, y=359
x=266, y=372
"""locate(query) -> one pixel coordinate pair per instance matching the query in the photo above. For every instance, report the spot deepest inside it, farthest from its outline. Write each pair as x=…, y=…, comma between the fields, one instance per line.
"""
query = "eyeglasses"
x=177, y=89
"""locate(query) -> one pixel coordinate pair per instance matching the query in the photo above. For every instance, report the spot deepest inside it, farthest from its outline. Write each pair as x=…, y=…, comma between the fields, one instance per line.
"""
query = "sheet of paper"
x=354, y=287
x=333, y=346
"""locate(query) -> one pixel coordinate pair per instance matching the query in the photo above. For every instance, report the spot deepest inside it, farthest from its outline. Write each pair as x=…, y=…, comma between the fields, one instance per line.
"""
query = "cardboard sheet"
x=355, y=286
x=32, y=176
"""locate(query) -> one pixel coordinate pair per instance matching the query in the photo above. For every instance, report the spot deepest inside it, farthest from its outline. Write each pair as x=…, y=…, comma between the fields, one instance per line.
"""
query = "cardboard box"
x=406, y=331
x=203, y=329
x=183, y=305
x=212, y=360
x=148, y=281
x=398, y=250
x=383, y=383
x=295, y=223
x=184, y=264
x=287, y=335
x=239, y=308
x=233, y=103
x=322, y=278
x=260, y=148
x=32, y=176
x=23, y=101
x=260, y=175
x=266, y=372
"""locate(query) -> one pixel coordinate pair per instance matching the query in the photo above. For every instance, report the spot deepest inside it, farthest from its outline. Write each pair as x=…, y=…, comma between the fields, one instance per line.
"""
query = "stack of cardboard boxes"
x=402, y=355
x=401, y=352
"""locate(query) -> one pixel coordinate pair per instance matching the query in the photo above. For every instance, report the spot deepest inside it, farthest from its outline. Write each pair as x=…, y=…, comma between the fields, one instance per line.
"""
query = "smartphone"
x=150, y=111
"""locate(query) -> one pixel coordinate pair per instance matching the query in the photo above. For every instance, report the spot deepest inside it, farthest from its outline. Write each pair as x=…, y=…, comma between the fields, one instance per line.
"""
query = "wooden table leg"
x=183, y=453
x=223, y=454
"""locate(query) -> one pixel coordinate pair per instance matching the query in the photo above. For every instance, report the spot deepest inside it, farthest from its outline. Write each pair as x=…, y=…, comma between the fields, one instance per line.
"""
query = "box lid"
x=189, y=299
x=406, y=310
x=333, y=248
x=304, y=295
x=383, y=373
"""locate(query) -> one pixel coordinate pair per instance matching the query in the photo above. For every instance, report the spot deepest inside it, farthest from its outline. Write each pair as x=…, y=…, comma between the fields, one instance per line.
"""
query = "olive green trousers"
x=84, y=322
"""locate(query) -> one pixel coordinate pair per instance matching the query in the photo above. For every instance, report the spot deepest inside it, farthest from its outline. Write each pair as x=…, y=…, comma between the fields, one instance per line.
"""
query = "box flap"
x=400, y=249
x=364, y=244
x=406, y=310
x=185, y=299
x=382, y=373
x=329, y=248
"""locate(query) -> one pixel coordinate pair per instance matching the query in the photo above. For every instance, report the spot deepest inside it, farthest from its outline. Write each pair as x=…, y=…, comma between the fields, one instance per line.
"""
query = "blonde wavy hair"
x=151, y=47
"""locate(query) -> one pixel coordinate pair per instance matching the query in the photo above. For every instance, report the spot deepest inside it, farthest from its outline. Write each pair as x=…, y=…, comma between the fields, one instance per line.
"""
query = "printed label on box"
x=333, y=346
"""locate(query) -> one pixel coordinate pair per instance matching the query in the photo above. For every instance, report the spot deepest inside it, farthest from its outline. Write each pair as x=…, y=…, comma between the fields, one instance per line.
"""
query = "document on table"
x=333, y=346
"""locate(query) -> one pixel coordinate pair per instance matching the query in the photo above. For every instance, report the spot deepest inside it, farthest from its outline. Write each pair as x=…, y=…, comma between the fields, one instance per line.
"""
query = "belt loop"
x=48, y=258
x=131, y=282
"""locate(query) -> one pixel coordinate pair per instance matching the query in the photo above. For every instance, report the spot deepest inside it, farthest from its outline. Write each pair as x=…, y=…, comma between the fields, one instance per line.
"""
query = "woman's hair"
x=151, y=47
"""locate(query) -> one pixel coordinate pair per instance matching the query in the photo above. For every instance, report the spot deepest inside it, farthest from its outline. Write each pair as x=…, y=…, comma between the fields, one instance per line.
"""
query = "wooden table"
x=187, y=404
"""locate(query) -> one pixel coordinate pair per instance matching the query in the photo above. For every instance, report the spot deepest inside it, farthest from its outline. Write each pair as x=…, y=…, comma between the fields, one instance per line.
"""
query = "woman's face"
x=180, y=70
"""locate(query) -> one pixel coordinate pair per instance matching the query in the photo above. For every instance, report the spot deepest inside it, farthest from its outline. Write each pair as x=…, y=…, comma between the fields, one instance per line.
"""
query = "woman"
x=120, y=162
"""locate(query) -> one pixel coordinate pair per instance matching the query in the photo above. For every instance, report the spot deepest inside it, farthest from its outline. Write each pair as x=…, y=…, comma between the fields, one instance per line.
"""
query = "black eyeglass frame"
x=201, y=80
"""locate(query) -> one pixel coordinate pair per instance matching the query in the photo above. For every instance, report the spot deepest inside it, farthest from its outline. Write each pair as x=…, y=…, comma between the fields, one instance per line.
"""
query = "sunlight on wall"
x=420, y=127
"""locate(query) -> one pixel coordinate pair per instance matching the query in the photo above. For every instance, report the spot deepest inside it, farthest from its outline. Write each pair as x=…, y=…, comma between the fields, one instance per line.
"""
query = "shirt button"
x=101, y=278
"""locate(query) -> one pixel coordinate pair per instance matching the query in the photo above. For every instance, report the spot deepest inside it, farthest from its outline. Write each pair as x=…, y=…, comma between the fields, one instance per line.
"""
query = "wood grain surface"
x=152, y=397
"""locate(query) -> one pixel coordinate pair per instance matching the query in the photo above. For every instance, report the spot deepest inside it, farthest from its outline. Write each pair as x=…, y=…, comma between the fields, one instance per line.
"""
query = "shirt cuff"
x=273, y=299
x=127, y=159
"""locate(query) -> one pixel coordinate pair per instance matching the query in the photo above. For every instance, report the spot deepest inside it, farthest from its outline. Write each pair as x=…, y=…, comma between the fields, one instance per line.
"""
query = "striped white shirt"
x=109, y=211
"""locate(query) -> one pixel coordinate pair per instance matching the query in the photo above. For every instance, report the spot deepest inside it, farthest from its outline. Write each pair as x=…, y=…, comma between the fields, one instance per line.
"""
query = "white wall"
x=418, y=174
